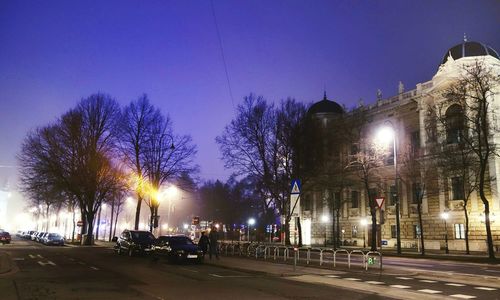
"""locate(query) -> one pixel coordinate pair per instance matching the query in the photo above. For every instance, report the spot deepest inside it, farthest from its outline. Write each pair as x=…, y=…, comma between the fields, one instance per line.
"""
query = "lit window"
x=354, y=231
x=459, y=231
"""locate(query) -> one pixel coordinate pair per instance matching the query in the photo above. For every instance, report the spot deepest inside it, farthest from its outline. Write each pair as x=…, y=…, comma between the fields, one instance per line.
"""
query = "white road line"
x=462, y=296
x=404, y=278
x=375, y=282
x=18, y=258
x=32, y=256
x=47, y=263
x=352, y=279
x=428, y=281
x=430, y=291
x=39, y=256
x=455, y=284
x=400, y=286
x=94, y=268
x=496, y=271
x=229, y=276
x=333, y=276
x=81, y=263
x=485, y=288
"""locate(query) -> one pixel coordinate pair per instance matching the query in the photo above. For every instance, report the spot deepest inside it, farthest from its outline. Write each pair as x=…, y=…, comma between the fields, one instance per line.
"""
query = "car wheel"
x=130, y=252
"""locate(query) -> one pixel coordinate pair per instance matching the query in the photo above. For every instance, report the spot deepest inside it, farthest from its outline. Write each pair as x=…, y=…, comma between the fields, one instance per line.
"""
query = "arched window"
x=454, y=124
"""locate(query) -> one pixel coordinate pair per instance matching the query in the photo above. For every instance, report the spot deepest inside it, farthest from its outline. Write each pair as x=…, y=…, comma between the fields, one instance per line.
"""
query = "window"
x=394, y=233
x=415, y=141
x=307, y=202
x=354, y=199
x=393, y=195
x=416, y=189
x=416, y=231
x=457, y=188
x=354, y=231
x=459, y=231
x=454, y=124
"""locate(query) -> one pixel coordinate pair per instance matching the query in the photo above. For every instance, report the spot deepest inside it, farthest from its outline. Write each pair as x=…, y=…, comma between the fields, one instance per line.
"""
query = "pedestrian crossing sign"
x=295, y=186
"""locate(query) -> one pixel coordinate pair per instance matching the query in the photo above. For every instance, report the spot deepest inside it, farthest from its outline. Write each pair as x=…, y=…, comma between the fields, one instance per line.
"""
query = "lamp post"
x=324, y=220
x=171, y=192
x=251, y=222
x=445, y=217
x=387, y=134
x=363, y=224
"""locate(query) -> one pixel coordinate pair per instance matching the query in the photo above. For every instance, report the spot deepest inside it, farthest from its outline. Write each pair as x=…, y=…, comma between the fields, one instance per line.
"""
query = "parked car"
x=134, y=242
x=4, y=237
x=53, y=239
x=177, y=248
x=39, y=236
x=33, y=235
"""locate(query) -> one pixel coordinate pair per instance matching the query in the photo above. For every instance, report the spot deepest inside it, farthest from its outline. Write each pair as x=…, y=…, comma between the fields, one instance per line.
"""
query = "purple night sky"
x=53, y=53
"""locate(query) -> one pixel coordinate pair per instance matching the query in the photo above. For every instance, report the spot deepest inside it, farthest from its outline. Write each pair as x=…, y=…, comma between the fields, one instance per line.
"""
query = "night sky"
x=53, y=53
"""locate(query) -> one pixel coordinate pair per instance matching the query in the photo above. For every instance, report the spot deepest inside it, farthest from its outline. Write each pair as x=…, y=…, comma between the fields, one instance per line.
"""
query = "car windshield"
x=142, y=236
x=179, y=240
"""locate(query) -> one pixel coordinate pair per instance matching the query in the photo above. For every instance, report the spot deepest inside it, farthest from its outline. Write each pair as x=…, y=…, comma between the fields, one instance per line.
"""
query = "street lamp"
x=324, y=220
x=251, y=222
x=445, y=217
x=385, y=135
x=364, y=222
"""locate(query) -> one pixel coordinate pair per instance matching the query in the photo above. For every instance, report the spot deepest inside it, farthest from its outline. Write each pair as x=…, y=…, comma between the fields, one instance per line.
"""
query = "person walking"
x=213, y=237
x=203, y=243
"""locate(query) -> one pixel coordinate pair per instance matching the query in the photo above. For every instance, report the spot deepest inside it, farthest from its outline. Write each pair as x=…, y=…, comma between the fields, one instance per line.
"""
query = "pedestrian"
x=213, y=237
x=203, y=243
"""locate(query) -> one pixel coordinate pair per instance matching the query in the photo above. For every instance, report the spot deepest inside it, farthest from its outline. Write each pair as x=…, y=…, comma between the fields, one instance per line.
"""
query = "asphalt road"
x=43, y=272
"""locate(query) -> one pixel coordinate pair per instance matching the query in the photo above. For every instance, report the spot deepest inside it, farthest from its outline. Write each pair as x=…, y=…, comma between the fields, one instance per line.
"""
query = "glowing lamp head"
x=363, y=222
x=251, y=221
x=325, y=218
x=385, y=135
x=445, y=216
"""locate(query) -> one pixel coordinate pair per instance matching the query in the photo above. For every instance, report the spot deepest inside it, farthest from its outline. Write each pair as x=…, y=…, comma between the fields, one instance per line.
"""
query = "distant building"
x=408, y=114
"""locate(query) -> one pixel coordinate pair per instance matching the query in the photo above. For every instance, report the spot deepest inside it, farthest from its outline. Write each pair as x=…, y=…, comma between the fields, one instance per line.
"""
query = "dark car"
x=135, y=242
x=53, y=239
x=39, y=237
x=177, y=248
x=4, y=237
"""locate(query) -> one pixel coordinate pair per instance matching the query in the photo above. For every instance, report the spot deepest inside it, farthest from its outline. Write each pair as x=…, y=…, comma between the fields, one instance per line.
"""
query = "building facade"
x=408, y=114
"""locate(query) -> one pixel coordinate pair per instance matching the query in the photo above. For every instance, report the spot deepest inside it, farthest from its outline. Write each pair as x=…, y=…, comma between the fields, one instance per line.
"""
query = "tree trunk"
x=373, y=212
x=74, y=226
x=138, y=212
x=90, y=229
x=111, y=220
x=491, y=252
x=467, y=249
x=287, y=231
x=421, y=225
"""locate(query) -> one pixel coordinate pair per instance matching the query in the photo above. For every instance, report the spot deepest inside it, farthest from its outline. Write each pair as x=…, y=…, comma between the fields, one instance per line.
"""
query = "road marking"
x=351, y=279
x=229, y=276
x=190, y=270
x=39, y=256
x=32, y=256
x=333, y=276
x=463, y=296
x=94, y=268
x=18, y=258
x=81, y=263
x=496, y=271
x=485, y=288
x=400, y=286
x=374, y=282
x=428, y=281
x=430, y=291
x=455, y=284
x=404, y=278
x=47, y=263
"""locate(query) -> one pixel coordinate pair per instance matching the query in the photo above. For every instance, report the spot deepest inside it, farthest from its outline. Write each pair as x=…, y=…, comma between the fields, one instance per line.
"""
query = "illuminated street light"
x=385, y=135
x=363, y=223
x=251, y=222
x=325, y=219
x=445, y=217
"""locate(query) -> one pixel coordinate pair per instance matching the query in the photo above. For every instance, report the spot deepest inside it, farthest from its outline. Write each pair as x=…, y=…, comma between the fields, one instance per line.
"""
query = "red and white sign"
x=380, y=201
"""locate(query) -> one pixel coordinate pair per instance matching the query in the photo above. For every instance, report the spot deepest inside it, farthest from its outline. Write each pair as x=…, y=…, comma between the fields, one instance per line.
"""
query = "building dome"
x=467, y=49
x=325, y=106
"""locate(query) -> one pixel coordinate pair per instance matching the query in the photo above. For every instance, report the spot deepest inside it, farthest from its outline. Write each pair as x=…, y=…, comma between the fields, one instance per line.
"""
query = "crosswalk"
x=415, y=284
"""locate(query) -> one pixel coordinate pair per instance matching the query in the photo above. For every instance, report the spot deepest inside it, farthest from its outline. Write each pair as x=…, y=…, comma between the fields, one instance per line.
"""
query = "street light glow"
x=385, y=135
x=325, y=218
x=364, y=222
x=444, y=215
x=251, y=221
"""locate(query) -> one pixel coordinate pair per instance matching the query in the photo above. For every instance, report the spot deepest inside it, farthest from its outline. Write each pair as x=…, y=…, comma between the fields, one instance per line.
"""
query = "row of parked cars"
x=4, y=237
x=174, y=248
x=46, y=238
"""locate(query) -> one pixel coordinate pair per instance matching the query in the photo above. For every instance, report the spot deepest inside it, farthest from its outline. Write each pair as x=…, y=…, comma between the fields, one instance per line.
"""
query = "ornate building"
x=407, y=112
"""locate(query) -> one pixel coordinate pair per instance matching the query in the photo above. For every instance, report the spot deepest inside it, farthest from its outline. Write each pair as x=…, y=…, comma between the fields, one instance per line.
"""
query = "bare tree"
x=473, y=93
x=138, y=119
